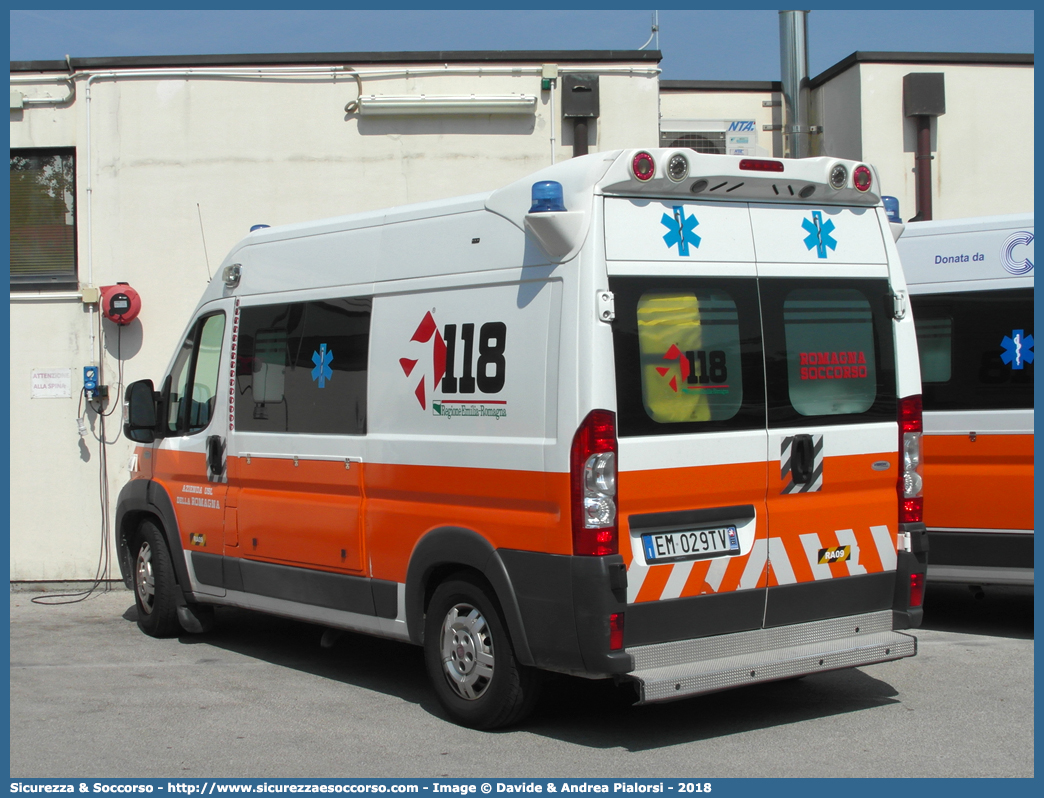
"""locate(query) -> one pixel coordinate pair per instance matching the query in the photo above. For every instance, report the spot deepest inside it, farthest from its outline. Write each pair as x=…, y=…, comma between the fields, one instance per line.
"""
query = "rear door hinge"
x=606, y=306
x=899, y=305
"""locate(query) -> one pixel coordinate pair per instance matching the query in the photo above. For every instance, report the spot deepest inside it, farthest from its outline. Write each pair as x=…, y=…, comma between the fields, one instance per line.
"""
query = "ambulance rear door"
x=826, y=303
x=690, y=417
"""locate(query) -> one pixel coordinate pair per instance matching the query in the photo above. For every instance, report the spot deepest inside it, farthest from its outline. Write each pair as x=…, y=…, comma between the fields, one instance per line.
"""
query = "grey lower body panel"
x=981, y=556
x=980, y=575
x=668, y=671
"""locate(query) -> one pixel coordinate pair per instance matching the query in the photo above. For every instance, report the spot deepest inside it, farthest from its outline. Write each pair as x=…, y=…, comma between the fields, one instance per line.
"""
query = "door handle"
x=215, y=456
x=802, y=459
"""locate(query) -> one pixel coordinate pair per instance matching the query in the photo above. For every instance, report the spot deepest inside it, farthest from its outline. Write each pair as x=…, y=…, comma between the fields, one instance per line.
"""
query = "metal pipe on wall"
x=580, y=137
x=793, y=57
x=923, y=169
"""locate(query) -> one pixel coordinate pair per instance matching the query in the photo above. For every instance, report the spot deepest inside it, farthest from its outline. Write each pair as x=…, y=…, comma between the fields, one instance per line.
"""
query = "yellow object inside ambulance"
x=666, y=321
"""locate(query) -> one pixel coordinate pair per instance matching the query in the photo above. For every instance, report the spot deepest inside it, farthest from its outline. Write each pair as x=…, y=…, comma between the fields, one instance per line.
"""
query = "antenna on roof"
x=655, y=34
x=205, y=256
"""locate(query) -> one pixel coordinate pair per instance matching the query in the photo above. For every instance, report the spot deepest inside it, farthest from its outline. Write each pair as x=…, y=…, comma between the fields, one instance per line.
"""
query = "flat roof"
x=721, y=85
x=282, y=59
x=955, y=59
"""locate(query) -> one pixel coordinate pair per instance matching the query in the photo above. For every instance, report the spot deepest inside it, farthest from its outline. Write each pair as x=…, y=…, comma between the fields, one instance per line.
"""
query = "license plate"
x=691, y=544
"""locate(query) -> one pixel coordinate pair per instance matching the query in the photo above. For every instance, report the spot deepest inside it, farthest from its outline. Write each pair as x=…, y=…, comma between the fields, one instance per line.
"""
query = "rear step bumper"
x=666, y=671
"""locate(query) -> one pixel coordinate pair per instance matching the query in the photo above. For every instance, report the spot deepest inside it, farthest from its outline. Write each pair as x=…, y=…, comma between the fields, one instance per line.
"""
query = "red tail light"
x=916, y=590
x=911, y=470
x=616, y=626
x=592, y=482
x=910, y=414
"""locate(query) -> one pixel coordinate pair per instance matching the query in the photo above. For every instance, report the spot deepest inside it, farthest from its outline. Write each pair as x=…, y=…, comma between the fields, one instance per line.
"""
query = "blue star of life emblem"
x=682, y=230
x=819, y=234
x=322, y=360
x=1018, y=349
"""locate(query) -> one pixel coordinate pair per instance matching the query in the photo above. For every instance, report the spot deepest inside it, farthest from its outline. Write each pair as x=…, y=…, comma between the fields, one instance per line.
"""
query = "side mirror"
x=140, y=399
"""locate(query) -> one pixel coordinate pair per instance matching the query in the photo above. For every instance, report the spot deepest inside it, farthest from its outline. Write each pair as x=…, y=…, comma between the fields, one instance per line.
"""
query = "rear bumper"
x=668, y=671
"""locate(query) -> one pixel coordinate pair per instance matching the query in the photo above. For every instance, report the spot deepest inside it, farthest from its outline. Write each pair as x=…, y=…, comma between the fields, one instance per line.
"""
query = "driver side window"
x=193, y=380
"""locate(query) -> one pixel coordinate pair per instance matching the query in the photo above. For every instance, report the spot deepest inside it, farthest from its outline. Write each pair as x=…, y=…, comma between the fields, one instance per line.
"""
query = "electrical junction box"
x=90, y=381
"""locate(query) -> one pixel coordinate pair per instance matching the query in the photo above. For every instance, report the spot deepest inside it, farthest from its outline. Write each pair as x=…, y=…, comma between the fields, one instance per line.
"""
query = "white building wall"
x=836, y=106
x=176, y=160
x=720, y=105
x=982, y=145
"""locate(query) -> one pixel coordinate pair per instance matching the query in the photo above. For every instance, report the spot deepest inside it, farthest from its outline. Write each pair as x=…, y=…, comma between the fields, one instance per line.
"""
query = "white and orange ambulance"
x=650, y=415
x=971, y=282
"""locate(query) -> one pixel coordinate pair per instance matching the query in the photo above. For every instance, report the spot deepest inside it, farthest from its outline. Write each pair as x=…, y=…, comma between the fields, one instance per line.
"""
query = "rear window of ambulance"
x=687, y=355
x=829, y=352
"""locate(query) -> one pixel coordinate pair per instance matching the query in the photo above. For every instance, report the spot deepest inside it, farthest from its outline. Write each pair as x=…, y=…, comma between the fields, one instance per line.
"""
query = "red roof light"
x=759, y=165
x=643, y=166
x=862, y=178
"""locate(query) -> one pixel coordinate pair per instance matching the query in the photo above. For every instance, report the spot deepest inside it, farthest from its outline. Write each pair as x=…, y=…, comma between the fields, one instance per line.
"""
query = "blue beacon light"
x=891, y=206
x=547, y=197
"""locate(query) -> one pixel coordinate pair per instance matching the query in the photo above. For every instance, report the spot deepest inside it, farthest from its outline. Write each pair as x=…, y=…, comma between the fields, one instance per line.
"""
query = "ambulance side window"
x=301, y=367
x=688, y=355
x=830, y=355
x=193, y=380
x=935, y=347
x=976, y=349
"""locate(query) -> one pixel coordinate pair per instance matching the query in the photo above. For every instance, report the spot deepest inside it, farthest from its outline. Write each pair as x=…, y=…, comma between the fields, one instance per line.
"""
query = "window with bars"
x=43, y=219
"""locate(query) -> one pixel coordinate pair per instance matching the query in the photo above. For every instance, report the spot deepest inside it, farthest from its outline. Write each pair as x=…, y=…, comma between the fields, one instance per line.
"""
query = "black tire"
x=155, y=590
x=470, y=660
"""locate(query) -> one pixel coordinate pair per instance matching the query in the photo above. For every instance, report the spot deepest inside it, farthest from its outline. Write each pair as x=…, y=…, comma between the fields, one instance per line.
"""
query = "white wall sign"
x=52, y=383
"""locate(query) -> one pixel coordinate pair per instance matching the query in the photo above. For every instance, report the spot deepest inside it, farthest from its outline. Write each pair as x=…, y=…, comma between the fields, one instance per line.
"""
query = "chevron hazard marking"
x=781, y=568
x=679, y=576
x=755, y=566
x=847, y=537
x=635, y=579
x=885, y=541
x=684, y=578
x=812, y=544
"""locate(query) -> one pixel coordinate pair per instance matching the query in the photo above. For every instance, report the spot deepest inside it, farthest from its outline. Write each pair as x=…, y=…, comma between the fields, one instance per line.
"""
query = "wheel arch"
x=141, y=500
x=446, y=551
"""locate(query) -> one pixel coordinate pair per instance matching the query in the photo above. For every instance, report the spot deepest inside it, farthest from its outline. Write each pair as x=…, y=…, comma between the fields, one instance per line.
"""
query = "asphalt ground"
x=91, y=696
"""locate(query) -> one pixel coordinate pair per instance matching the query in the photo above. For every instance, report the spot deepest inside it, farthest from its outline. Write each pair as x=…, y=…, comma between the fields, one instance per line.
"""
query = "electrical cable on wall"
x=105, y=550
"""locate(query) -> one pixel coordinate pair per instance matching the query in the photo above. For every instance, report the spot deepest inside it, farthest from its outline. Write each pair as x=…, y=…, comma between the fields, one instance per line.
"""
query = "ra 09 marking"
x=487, y=374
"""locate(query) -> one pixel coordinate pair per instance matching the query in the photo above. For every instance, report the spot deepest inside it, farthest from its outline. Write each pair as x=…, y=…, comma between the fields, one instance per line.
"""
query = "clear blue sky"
x=696, y=45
